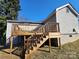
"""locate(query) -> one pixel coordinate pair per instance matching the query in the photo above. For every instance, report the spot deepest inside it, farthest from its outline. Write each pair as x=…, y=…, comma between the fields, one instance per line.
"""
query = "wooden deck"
x=15, y=33
x=54, y=34
x=37, y=37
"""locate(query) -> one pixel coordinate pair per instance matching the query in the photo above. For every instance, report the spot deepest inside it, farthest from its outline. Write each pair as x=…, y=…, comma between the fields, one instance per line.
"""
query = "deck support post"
x=11, y=44
x=24, y=41
x=49, y=44
x=28, y=56
x=59, y=43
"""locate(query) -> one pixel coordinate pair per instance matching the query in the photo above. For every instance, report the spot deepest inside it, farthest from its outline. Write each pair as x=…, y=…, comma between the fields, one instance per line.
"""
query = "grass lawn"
x=68, y=51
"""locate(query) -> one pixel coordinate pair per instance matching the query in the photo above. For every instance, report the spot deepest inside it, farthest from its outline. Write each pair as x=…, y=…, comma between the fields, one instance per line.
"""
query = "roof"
x=61, y=7
x=22, y=21
x=70, y=6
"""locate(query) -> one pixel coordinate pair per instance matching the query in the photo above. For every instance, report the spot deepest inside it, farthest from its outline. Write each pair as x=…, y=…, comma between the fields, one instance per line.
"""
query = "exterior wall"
x=8, y=31
x=67, y=22
x=26, y=27
x=51, y=18
x=50, y=23
x=66, y=39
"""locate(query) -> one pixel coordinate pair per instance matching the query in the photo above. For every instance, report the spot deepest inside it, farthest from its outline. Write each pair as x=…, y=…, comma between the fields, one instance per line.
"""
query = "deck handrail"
x=49, y=27
x=45, y=28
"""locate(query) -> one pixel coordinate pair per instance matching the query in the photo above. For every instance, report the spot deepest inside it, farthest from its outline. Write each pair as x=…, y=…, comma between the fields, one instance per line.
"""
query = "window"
x=70, y=35
x=78, y=18
x=74, y=30
x=67, y=10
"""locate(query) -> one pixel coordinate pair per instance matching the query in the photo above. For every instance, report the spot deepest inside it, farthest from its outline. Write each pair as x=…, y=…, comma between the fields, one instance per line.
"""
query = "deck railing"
x=49, y=27
x=15, y=27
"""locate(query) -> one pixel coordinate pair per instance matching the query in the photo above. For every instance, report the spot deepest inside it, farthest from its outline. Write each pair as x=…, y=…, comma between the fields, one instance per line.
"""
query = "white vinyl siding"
x=67, y=21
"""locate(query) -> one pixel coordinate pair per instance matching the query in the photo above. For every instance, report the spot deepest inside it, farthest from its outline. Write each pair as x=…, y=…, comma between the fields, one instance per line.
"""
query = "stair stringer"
x=38, y=45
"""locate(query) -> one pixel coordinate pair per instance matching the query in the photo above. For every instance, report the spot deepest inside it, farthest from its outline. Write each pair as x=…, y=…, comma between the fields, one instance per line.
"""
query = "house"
x=66, y=16
x=68, y=20
x=60, y=27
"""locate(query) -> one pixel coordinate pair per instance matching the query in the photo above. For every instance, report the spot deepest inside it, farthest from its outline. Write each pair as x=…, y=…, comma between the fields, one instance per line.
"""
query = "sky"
x=38, y=10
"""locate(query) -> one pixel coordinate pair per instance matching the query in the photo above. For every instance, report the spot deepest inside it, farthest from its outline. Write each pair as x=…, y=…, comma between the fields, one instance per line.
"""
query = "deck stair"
x=32, y=45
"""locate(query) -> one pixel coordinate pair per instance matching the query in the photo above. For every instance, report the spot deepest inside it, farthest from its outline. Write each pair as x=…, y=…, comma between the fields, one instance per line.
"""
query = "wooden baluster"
x=36, y=41
x=32, y=44
x=58, y=28
x=43, y=30
x=27, y=44
x=24, y=42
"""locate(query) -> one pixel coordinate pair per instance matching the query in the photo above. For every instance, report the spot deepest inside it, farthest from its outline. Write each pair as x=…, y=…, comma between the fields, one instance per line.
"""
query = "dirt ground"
x=68, y=51
x=55, y=54
x=4, y=55
x=43, y=53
